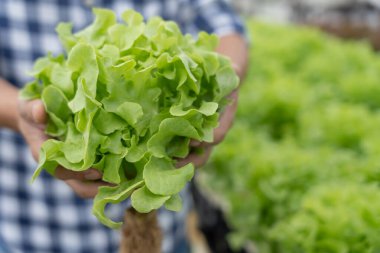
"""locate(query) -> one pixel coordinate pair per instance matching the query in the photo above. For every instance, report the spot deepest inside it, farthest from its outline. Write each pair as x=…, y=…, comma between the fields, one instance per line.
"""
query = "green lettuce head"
x=126, y=99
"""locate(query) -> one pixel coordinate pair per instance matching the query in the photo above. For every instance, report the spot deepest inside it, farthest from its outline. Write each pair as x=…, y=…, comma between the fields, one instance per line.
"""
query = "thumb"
x=33, y=111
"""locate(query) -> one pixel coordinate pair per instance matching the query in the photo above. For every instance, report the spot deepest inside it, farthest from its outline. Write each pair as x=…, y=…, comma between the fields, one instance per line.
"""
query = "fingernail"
x=38, y=112
x=92, y=174
x=195, y=143
x=34, y=113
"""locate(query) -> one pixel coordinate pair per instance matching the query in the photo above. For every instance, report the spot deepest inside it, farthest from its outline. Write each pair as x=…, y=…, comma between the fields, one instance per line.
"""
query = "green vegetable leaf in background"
x=299, y=171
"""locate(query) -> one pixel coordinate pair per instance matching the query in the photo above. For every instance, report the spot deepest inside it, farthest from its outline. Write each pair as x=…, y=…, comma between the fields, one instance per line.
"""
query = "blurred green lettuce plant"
x=299, y=171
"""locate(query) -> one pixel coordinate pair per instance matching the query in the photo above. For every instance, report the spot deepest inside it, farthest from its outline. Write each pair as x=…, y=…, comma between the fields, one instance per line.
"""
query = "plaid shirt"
x=47, y=216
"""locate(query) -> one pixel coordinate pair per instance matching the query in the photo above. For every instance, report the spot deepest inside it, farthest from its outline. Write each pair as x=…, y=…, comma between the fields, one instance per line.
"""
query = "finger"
x=33, y=111
x=195, y=143
x=39, y=113
x=198, y=160
x=34, y=136
x=226, y=119
x=86, y=189
x=35, y=142
x=65, y=174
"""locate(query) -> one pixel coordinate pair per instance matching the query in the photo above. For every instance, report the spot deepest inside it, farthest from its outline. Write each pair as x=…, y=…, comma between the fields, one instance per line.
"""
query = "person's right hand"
x=31, y=122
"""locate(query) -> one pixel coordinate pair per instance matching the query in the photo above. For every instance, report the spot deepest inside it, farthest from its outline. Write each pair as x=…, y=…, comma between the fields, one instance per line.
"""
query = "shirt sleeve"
x=217, y=16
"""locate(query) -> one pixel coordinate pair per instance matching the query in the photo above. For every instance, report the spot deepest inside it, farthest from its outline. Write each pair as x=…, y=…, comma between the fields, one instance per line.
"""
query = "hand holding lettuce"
x=127, y=100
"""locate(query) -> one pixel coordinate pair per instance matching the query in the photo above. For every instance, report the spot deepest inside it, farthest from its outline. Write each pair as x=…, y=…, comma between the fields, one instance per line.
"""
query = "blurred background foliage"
x=300, y=170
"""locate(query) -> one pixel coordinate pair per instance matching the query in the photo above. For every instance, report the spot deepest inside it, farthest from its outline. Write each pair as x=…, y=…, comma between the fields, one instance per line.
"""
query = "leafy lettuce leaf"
x=126, y=98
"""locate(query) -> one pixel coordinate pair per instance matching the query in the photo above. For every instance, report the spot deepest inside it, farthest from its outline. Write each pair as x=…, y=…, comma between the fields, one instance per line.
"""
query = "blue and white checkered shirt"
x=47, y=217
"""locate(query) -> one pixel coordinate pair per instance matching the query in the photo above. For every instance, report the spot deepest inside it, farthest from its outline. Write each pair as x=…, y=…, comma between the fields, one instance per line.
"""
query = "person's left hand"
x=225, y=123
